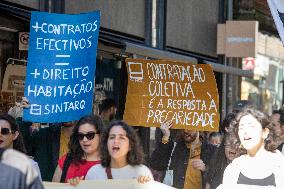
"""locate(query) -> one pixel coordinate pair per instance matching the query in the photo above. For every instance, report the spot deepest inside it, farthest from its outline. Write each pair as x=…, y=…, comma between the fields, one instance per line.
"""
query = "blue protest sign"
x=61, y=66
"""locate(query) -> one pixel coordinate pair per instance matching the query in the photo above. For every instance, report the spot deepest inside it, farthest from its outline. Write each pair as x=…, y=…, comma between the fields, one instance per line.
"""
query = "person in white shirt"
x=262, y=165
x=121, y=155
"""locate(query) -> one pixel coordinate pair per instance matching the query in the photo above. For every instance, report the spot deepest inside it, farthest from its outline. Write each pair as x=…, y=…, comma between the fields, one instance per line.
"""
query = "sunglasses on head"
x=89, y=135
x=5, y=131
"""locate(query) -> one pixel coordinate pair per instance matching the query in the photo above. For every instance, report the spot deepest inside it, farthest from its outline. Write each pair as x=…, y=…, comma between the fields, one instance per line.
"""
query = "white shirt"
x=36, y=167
x=254, y=169
x=127, y=172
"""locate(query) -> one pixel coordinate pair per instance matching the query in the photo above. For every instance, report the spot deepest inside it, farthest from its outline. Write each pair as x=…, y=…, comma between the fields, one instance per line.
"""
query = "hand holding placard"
x=165, y=128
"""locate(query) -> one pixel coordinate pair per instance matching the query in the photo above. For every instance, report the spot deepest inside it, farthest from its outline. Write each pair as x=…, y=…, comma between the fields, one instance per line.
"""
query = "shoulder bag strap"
x=171, y=155
x=66, y=165
x=108, y=172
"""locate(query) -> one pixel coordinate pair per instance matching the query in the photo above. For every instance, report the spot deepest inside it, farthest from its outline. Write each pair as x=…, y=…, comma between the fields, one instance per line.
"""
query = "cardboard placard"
x=14, y=78
x=61, y=66
x=160, y=90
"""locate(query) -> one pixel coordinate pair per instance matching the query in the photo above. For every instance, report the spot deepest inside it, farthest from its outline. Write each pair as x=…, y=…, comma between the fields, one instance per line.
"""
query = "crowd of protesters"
x=246, y=151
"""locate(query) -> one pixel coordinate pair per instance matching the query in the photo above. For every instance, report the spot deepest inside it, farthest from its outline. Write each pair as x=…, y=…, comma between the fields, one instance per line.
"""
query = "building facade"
x=183, y=30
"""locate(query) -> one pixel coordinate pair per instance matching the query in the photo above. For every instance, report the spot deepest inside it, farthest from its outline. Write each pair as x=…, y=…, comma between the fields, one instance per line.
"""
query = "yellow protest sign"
x=160, y=90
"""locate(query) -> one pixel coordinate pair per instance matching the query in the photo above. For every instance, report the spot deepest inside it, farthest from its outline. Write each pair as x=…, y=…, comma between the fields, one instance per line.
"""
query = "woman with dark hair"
x=262, y=165
x=83, y=150
x=225, y=154
x=11, y=137
x=226, y=123
x=121, y=155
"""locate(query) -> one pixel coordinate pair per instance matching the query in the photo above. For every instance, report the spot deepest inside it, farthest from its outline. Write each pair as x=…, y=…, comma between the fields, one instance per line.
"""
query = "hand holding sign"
x=198, y=164
x=75, y=181
x=25, y=102
x=165, y=128
x=143, y=179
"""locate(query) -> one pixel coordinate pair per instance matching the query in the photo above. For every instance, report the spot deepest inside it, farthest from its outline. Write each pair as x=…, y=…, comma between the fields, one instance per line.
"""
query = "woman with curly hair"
x=121, y=155
x=262, y=165
x=83, y=150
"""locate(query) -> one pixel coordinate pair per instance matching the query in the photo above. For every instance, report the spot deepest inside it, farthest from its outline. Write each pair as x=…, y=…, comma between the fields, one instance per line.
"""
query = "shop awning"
x=156, y=53
x=16, y=11
x=230, y=70
x=162, y=54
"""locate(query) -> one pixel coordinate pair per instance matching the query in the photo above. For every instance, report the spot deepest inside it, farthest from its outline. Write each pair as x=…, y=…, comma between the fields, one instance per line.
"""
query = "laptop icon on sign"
x=135, y=71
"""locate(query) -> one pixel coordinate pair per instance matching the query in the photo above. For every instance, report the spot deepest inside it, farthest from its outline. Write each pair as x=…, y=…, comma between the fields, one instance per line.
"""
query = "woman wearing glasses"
x=224, y=155
x=122, y=155
x=10, y=137
x=83, y=150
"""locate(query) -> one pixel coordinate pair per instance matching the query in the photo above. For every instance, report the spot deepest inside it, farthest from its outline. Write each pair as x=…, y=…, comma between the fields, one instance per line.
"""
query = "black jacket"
x=179, y=161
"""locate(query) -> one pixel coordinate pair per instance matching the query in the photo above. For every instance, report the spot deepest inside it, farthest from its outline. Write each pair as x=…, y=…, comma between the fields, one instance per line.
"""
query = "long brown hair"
x=263, y=119
x=75, y=150
x=135, y=156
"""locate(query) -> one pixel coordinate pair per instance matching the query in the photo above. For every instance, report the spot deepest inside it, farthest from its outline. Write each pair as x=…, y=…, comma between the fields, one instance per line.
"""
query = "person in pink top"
x=83, y=150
